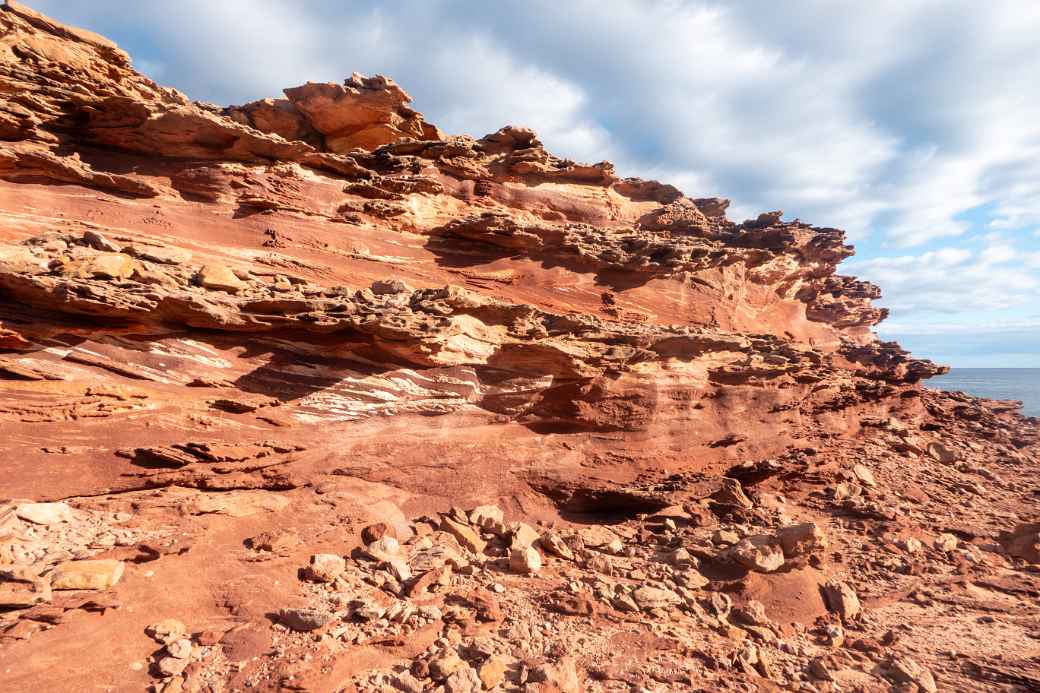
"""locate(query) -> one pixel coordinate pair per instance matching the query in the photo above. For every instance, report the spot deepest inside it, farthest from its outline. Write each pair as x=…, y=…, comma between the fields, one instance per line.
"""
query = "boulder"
x=363, y=112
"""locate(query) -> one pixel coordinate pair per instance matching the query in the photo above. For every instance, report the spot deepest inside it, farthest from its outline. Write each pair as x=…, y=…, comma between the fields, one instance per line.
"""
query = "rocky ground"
x=304, y=394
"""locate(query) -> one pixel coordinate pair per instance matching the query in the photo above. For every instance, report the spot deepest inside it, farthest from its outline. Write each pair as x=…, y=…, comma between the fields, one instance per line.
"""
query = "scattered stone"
x=384, y=550
x=911, y=546
x=752, y=613
x=724, y=537
x=525, y=560
x=554, y=544
x=208, y=638
x=842, y=600
x=407, y=683
x=522, y=534
x=399, y=569
x=865, y=476
x=303, y=619
x=798, y=540
x=325, y=567
x=694, y=579
x=946, y=542
x=277, y=541
x=171, y=666
x=681, y=558
x=444, y=666
x=219, y=278
x=465, y=535
x=1023, y=542
x=719, y=604
x=563, y=675
x=489, y=518
x=166, y=631
x=732, y=493
x=181, y=649
x=375, y=532
x=87, y=575
x=21, y=588
x=759, y=553
x=492, y=672
x=655, y=598
x=905, y=670
x=97, y=241
x=463, y=680
x=161, y=255
x=109, y=266
x=942, y=453
x=601, y=538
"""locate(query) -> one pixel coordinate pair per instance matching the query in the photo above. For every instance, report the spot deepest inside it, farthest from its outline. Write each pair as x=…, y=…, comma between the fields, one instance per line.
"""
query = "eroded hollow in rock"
x=600, y=506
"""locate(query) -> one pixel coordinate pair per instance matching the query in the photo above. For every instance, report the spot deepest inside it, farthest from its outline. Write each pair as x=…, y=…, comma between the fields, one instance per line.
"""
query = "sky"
x=912, y=124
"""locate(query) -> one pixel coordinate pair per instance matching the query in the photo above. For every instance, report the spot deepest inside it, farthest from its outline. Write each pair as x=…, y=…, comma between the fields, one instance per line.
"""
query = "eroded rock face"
x=340, y=392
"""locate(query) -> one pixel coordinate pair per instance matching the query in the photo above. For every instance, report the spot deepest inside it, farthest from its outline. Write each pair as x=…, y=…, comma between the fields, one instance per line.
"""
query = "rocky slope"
x=305, y=394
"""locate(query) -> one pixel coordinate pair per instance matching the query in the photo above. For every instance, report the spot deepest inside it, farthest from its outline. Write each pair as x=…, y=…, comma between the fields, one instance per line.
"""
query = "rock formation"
x=305, y=394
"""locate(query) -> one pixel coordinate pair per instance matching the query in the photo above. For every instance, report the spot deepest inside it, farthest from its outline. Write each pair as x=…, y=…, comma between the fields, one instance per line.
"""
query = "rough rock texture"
x=361, y=406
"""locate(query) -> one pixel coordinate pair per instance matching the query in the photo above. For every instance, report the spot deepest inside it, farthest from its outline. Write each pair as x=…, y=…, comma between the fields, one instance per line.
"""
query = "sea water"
x=995, y=383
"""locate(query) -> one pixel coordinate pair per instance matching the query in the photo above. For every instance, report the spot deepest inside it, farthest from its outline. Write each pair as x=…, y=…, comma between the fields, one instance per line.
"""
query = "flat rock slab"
x=87, y=575
x=44, y=513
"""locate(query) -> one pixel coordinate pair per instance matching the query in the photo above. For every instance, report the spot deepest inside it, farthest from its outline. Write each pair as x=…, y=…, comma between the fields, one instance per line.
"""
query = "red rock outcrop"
x=306, y=394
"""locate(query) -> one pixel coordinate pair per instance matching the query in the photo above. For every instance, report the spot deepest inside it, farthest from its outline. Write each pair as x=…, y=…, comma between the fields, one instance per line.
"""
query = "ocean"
x=995, y=383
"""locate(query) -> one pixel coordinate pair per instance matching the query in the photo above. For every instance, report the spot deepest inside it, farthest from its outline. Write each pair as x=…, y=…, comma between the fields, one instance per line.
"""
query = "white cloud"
x=1022, y=325
x=953, y=281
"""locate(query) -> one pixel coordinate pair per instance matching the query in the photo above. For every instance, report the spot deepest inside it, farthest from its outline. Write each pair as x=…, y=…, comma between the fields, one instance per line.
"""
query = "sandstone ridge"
x=307, y=394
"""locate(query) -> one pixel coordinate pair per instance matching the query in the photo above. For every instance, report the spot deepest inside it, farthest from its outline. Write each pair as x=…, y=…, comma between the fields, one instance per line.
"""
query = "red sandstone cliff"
x=231, y=338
